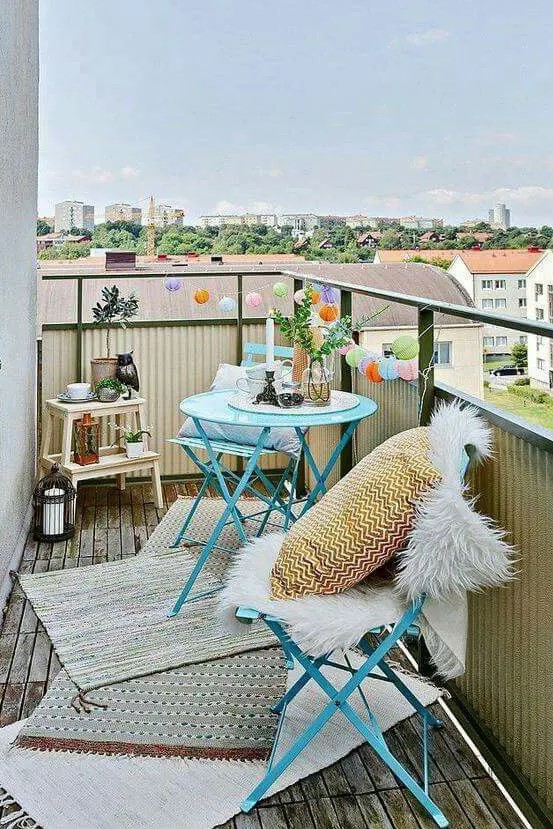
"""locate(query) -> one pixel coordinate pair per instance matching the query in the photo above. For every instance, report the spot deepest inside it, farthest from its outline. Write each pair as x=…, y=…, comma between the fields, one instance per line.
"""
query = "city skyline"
x=382, y=111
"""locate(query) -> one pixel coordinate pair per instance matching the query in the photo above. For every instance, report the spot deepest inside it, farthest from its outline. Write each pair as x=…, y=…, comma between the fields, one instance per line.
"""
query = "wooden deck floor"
x=356, y=793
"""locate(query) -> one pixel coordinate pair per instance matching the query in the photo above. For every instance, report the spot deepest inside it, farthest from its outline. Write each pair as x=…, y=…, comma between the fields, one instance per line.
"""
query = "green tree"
x=42, y=227
x=519, y=353
x=390, y=239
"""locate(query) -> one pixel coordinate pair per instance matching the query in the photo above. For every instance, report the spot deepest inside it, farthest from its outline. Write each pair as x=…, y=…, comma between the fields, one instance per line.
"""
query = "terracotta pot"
x=102, y=367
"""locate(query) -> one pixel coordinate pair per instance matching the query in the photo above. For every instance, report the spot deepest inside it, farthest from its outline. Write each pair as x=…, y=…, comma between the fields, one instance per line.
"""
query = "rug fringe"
x=83, y=705
x=15, y=820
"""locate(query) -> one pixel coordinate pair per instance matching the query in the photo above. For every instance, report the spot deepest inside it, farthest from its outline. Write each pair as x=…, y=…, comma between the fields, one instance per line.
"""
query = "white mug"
x=78, y=391
x=254, y=381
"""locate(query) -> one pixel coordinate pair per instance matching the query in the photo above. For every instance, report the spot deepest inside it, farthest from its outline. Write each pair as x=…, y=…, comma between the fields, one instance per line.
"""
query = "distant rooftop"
x=499, y=261
x=386, y=255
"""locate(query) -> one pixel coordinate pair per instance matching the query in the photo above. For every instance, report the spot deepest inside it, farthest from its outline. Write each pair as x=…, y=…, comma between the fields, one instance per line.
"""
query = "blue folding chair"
x=338, y=698
x=216, y=473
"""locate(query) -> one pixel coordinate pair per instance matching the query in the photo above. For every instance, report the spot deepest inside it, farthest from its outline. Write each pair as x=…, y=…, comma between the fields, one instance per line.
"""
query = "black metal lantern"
x=54, y=507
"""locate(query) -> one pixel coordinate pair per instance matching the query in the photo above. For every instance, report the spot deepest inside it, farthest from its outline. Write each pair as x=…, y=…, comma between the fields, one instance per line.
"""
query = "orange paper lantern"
x=201, y=296
x=329, y=313
x=315, y=297
x=372, y=373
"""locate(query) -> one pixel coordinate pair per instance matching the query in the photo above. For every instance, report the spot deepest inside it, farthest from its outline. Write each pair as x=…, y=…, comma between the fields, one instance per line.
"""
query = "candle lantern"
x=54, y=507
x=87, y=440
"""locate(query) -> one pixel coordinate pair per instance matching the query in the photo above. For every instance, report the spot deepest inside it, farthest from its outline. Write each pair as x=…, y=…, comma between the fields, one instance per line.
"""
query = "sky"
x=299, y=106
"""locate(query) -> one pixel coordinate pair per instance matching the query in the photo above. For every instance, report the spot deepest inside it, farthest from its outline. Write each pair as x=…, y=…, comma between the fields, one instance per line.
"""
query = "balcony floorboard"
x=358, y=792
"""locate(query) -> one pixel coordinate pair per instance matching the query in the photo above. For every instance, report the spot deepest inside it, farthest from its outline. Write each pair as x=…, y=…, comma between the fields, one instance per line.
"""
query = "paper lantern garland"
x=280, y=289
x=173, y=283
x=329, y=295
x=201, y=296
x=377, y=368
x=329, y=313
x=253, y=300
x=372, y=373
x=405, y=347
x=408, y=369
x=354, y=356
x=388, y=368
x=227, y=304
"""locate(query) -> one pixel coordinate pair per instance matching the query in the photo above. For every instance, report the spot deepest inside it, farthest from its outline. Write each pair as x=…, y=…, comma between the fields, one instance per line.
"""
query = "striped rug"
x=217, y=710
x=108, y=622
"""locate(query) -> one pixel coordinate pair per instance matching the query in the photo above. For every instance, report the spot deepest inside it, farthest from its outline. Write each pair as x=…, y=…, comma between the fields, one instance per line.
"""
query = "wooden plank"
x=313, y=787
x=473, y=805
x=444, y=798
x=335, y=780
x=272, y=817
x=299, y=816
x=100, y=549
x=324, y=816
x=348, y=812
x=356, y=774
x=12, y=700
x=380, y=774
x=398, y=809
x=8, y=642
x=497, y=804
x=249, y=821
x=373, y=811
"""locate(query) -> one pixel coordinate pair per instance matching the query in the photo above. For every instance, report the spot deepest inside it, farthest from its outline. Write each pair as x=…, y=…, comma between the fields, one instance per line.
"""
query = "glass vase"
x=316, y=383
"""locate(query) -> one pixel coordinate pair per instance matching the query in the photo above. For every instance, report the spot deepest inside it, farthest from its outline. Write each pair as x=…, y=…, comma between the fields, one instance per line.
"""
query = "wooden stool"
x=113, y=459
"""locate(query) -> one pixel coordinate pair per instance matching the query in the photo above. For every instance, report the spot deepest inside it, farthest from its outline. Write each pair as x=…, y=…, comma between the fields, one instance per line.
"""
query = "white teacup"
x=78, y=391
x=254, y=381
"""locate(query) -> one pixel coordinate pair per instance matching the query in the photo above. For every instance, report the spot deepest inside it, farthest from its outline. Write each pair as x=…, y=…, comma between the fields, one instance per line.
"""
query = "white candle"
x=52, y=515
x=270, y=343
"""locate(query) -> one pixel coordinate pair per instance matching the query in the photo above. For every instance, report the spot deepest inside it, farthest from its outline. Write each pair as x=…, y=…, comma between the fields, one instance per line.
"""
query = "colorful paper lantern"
x=362, y=364
x=329, y=313
x=408, y=369
x=372, y=373
x=280, y=289
x=387, y=368
x=329, y=295
x=355, y=355
x=227, y=304
x=315, y=297
x=173, y=283
x=299, y=296
x=201, y=296
x=405, y=347
x=317, y=287
x=253, y=300
x=345, y=348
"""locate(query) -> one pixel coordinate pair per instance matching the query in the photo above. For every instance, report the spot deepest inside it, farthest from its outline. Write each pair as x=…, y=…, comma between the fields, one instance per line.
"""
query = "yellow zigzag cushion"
x=360, y=524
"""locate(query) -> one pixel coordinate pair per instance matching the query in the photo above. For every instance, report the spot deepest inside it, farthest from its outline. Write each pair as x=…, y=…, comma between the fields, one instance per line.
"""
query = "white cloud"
x=93, y=175
x=271, y=172
x=426, y=38
x=420, y=162
x=525, y=195
x=129, y=172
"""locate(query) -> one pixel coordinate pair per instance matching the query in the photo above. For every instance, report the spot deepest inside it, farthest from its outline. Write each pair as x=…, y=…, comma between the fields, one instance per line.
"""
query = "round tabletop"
x=213, y=406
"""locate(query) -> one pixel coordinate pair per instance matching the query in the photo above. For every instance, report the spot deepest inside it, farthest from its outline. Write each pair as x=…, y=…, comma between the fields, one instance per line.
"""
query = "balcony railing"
x=506, y=695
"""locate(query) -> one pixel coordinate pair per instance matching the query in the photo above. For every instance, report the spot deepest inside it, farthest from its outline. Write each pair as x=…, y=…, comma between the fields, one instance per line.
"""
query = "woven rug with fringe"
x=65, y=790
x=219, y=709
x=108, y=622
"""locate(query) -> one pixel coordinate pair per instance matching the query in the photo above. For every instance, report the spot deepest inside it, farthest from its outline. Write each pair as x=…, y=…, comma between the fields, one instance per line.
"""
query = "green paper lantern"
x=280, y=289
x=405, y=347
x=354, y=357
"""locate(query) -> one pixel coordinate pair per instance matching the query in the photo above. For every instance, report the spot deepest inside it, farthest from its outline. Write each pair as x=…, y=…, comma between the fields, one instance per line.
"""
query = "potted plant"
x=108, y=390
x=134, y=440
x=113, y=310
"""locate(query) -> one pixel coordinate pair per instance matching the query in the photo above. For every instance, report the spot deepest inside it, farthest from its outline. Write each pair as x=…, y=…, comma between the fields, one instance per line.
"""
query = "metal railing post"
x=79, y=353
x=346, y=384
x=426, y=364
x=239, y=319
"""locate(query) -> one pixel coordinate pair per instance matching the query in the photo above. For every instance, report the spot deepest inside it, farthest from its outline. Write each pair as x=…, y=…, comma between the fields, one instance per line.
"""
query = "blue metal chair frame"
x=338, y=700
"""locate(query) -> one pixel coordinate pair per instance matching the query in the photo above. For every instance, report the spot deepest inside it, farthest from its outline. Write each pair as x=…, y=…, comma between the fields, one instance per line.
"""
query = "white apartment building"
x=165, y=215
x=496, y=281
x=358, y=221
x=420, y=223
x=539, y=288
x=245, y=219
x=302, y=224
x=123, y=212
x=71, y=214
x=500, y=217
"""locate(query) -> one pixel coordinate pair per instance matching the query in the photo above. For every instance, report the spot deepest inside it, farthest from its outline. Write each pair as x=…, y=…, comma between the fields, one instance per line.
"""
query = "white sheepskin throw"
x=451, y=550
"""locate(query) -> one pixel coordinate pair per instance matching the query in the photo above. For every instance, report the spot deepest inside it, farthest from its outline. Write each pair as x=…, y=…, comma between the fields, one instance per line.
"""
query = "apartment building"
x=496, y=281
x=500, y=217
x=302, y=224
x=539, y=292
x=69, y=214
x=244, y=219
x=359, y=220
x=420, y=223
x=166, y=215
x=123, y=212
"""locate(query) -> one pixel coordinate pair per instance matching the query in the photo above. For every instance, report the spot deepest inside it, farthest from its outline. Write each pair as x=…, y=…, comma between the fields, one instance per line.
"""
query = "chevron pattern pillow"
x=360, y=524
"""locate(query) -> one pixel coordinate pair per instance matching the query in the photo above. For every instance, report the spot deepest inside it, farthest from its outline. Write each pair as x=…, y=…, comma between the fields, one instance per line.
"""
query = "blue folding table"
x=214, y=407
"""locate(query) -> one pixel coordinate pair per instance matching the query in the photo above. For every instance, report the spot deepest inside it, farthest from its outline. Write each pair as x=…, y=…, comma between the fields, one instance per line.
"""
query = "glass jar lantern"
x=87, y=440
x=54, y=507
x=316, y=383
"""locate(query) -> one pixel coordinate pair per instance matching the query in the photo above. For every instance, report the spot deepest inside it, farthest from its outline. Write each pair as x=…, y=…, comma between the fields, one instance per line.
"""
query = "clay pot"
x=102, y=367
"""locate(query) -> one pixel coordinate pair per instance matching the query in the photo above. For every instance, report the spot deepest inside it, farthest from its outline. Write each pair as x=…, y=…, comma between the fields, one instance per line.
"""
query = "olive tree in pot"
x=113, y=310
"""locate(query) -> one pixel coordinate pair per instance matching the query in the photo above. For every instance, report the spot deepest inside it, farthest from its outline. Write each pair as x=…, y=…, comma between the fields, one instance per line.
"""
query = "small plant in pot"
x=114, y=309
x=134, y=440
x=109, y=390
